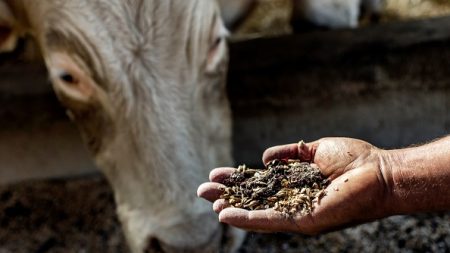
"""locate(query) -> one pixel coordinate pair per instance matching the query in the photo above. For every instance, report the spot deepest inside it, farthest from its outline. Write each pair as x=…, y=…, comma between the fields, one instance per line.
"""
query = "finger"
x=302, y=151
x=218, y=175
x=220, y=204
x=289, y=151
x=262, y=220
x=210, y=191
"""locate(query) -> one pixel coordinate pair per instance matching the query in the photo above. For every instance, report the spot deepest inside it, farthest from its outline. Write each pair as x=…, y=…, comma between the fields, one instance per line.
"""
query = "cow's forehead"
x=121, y=18
x=127, y=21
x=100, y=31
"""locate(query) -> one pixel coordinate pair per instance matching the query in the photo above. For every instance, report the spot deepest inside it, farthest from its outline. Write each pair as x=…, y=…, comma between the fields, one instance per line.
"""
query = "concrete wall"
x=388, y=84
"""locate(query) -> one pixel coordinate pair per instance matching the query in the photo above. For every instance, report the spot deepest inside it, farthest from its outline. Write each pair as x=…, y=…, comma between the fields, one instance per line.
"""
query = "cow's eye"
x=216, y=54
x=70, y=81
x=217, y=42
x=67, y=78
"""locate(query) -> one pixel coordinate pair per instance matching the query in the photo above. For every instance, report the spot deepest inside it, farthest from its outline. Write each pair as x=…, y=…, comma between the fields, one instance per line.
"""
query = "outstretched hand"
x=359, y=190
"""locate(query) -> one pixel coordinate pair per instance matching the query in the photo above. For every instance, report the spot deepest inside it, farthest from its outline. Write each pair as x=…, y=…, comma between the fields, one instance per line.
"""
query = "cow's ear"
x=8, y=28
x=234, y=12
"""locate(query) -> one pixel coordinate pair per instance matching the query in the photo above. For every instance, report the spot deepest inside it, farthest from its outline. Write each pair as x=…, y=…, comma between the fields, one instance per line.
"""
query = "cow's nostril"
x=154, y=246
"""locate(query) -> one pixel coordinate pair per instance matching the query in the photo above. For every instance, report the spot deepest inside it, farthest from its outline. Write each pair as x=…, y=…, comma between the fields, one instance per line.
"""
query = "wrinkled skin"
x=359, y=190
x=144, y=80
x=367, y=183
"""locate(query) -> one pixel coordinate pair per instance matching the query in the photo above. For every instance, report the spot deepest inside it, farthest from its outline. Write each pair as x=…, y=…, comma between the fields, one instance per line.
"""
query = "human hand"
x=360, y=188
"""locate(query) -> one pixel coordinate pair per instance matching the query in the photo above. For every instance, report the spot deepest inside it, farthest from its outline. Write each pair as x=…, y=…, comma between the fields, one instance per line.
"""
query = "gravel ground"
x=59, y=216
x=77, y=215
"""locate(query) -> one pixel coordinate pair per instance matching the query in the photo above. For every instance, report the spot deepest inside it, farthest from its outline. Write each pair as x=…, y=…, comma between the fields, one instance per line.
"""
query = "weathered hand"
x=359, y=190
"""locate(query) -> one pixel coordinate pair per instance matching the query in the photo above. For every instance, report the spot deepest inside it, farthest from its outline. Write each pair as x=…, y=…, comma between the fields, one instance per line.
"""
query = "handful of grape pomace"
x=287, y=186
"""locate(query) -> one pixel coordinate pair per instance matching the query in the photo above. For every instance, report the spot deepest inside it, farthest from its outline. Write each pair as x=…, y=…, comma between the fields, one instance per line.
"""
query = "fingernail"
x=301, y=144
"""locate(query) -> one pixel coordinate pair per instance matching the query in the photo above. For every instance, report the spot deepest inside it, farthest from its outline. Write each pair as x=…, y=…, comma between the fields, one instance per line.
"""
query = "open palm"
x=358, y=192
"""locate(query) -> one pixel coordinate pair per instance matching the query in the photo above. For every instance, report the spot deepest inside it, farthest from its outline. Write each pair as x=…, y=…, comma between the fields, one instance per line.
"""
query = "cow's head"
x=145, y=82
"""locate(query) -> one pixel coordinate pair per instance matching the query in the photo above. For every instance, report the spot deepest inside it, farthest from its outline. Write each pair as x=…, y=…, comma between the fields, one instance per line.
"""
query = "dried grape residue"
x=288, y=186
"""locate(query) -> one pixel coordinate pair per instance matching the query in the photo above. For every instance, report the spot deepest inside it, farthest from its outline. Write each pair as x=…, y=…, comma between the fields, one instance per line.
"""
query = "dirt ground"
x=59, y=216
x=78, y=216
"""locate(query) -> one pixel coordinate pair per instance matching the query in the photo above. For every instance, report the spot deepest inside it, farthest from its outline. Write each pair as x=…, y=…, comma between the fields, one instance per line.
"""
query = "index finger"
x=219, y=175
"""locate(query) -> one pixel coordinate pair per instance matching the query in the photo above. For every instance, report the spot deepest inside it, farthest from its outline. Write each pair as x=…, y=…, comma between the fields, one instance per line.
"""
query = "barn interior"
x=386, y=82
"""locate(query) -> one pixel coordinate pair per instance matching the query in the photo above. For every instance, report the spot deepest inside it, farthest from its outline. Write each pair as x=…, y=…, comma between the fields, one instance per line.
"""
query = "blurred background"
x=387, y=82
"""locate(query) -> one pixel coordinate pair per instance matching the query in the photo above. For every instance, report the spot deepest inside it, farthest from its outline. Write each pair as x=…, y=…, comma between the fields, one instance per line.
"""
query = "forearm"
x=421, y=178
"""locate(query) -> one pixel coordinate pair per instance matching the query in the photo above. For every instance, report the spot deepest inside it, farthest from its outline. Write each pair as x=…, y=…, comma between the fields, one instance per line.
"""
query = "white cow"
x=311, y=14
x=144, y=80
x=334, y=13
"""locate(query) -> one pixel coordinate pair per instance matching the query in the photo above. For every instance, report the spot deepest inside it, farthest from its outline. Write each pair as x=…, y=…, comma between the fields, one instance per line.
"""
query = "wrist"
x=393, y=165
x=388, y=168
x=420, y=178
